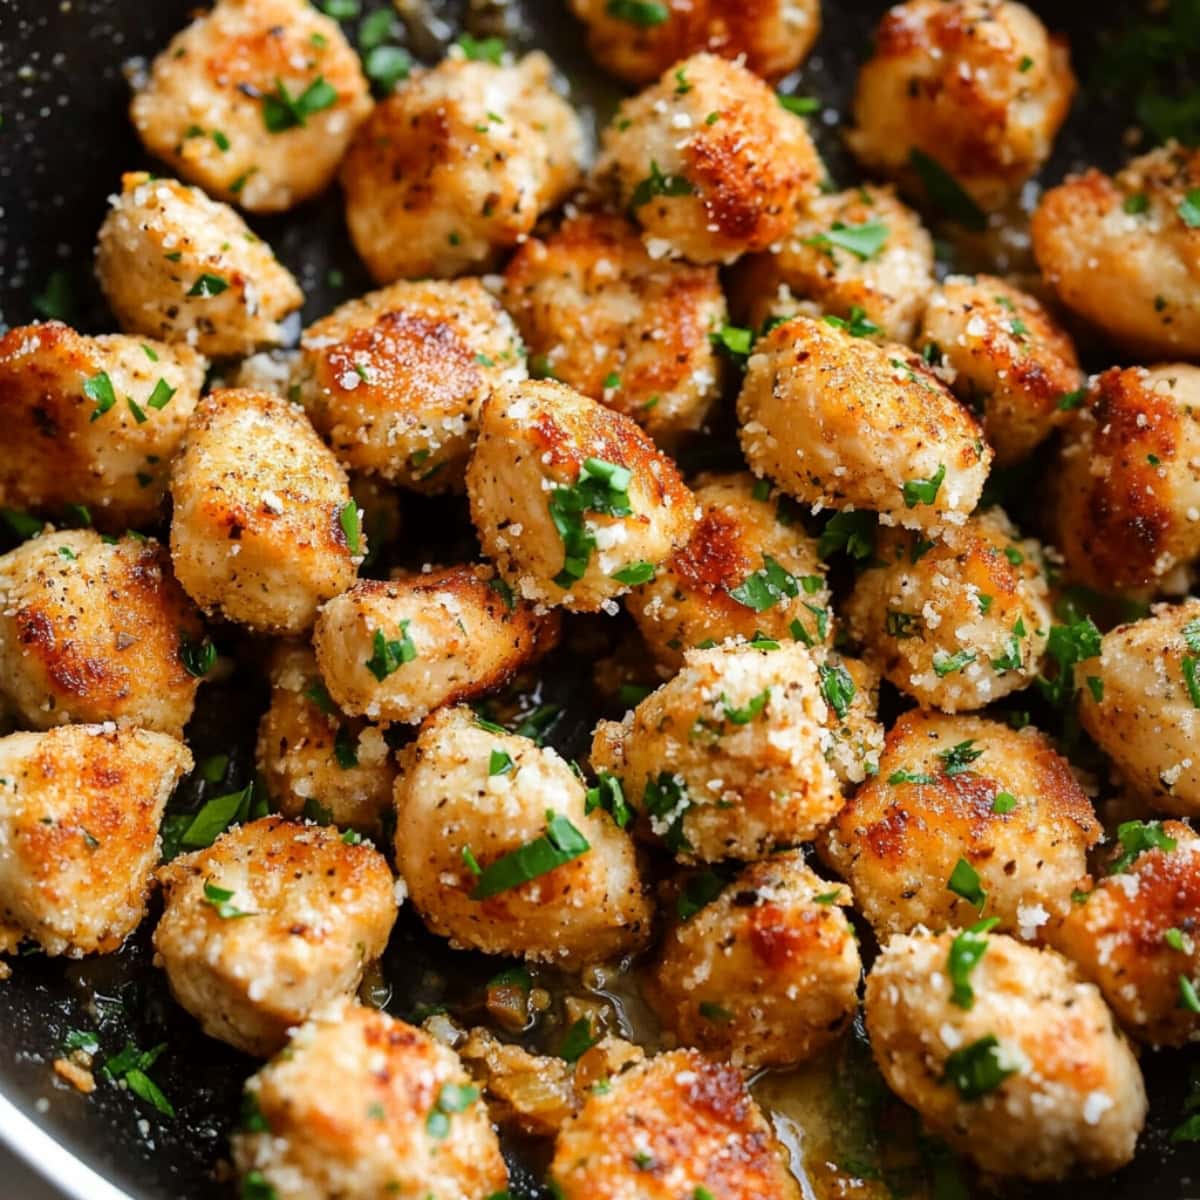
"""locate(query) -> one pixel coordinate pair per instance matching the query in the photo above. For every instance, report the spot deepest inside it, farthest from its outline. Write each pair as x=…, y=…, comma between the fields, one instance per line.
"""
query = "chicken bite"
x=727, y=759
x=840, y=422
x=709, y=162
x=766, y=974
x=1023, y=1071
x=360, y=1105
x=1126, y=493
x=396, y=650
x=965, y=815
x=1141, y=703
x=263, y=528
x=502, y=852
x=175, y=265
x=974, y=88
x=638, y=42
x=316, y=761
x=269, y=924
x=256, y=101
x=1135, y=934
x=602, y=316
x=394, y=380
x=570, y=499
x=957, y=623
x=675, y=1125
x=749, y=570
x=456, y=166
x=92, y=421
x=80, y=807
x=1011, y=362
x=94, y=630
x=1132, y=232
x=861, y=256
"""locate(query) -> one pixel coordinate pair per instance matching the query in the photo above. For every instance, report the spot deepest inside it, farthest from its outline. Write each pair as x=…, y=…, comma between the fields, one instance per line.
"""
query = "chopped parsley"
x=964, y=882
x=1011, y=659
x=923, y=491
x=698, y=892
x=904, y=775
x=609, y=796
x=1066, y=646
x=388, y=655
x=282, y=111
x=161, y=395
x=858, y=324
x=664, y=797
x=658, y=184
x=577, y=1041
x=1189, y=208
x=958, y=759
x=221, y=899
x=1003, y=803
x=208, y=285
x=99, y=388
x=735, y=340
x=802, y=106
x=946, y=664
x=1136, y=837
x=644, y=13
x=743, y=716
x=864, y=241
x=386, y=66
x=837, y=687
x=1069, y=401
x=489, y=49
x=453, y=1098
x=602, y=487
x=560, y=844
x=946, y=193
x=978, y=1068
x=130, y=1067
x=766, y=587
x=345, y=748
x=853, y=532
x=499, y=762
x=198, y=657
x=635, y=573
x=965, y=952
x=1136, y=204
x=351, y=526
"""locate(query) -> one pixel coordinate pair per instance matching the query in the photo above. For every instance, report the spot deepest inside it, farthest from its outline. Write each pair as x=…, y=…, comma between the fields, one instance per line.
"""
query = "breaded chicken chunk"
x=256, y=101
x=503, y=852
x=959, y=622
x=602, y=316
x=175, y=265
x=1140, y=700
x=360, y=1106
x=1125, y=497
x=315, y=760
x=638, y=41
x=571, y=500
x=765, y=975
x=455, y=167
x=965, y=816
x=1011, y=362
x=92, y=421
x=94, y=630
x=1010, y=1057
x=973, y=88
x=727, y=759
x=861, y=256
x=396, y=650
x=749, y=569
x=80, y=807
x=709, y=162
x=838, y=421
x=268, y=925
x=1136, y=934
x=1134, y=233
x=263, y=529
x=676, y=1125
x=394, y=380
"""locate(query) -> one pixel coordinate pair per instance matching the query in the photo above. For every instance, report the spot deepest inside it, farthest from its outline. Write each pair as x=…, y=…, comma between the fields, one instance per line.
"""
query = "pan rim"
x=50, y=1158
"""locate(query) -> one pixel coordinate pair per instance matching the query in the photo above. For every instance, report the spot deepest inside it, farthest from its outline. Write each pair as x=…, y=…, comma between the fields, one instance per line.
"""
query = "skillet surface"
x=64, y=140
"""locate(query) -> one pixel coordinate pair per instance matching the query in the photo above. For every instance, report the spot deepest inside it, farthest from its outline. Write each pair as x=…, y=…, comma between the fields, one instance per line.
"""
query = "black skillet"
x=64, y=140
